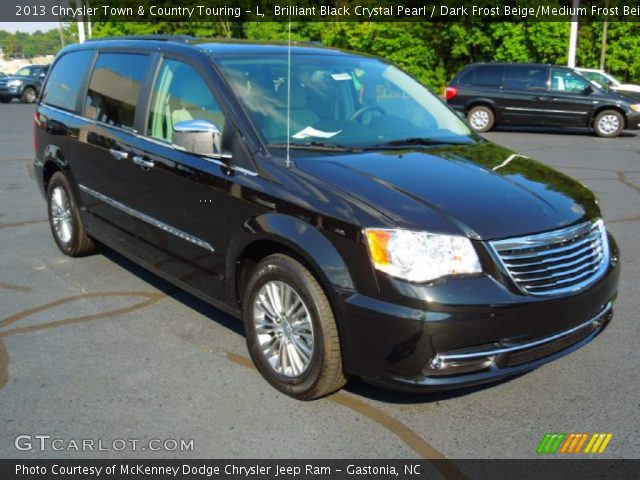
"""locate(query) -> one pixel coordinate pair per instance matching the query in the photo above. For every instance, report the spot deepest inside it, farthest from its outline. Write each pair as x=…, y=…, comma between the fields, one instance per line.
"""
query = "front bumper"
x=467, y=331
x=10, y=92
x=633, y=121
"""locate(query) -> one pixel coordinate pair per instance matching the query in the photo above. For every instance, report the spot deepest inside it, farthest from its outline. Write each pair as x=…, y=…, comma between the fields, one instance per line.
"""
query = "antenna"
x=287, y=162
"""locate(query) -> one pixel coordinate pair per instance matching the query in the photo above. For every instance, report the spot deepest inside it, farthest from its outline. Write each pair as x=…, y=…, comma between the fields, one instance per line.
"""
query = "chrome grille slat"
x=580, y=272
x=550, y=251
x=557, y=262
x=588, y=249
x=561, y=273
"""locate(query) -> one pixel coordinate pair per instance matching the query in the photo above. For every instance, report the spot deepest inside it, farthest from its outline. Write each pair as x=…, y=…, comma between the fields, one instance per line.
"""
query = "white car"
x=607, y=80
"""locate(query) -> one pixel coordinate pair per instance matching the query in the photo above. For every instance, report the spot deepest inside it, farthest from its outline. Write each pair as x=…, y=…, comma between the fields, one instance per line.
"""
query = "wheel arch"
x=602, y=108
x=279, y=233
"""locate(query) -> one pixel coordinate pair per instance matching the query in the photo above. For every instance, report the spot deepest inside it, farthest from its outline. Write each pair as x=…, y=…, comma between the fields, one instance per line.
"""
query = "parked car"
x=359, y=228
x=490, y=94
x=25, y=84
x=607, y=80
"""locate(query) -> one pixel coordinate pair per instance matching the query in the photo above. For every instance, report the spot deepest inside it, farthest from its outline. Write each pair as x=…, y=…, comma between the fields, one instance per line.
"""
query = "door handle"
x=541, y=99
x=142, y=162
x=118, y=154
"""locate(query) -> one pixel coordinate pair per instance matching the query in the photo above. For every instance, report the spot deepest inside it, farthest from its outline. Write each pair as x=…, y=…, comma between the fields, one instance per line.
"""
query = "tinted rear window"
x=115, y=88
x=66, y=80
x=488, y=75
x=524, y=77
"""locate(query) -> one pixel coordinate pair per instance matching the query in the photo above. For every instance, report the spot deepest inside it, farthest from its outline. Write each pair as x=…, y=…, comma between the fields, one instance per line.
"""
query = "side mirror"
x=200, y=137
x=588, y=90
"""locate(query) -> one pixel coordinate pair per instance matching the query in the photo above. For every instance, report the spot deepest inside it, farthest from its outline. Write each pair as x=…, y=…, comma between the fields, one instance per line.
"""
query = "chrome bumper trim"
x=441, y=358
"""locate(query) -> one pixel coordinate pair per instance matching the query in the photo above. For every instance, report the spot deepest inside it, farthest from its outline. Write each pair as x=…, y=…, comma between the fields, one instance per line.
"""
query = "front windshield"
x=28, y=72
x=339, y=100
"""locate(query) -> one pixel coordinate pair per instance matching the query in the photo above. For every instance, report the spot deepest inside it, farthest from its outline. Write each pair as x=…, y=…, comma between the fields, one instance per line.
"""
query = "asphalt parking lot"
x=96, y=348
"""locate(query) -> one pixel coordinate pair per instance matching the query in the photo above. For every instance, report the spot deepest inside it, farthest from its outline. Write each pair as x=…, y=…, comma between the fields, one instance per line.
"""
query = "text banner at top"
x=317, y=11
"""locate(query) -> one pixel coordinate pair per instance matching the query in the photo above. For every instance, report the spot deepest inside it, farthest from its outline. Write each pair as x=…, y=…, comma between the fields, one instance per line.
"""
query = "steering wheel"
x=367, y=108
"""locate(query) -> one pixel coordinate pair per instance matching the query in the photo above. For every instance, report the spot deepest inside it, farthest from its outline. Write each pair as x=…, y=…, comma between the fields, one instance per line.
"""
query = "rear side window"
x=67, y=79
x=487, y=75
x=115, y=88
x=524, y=77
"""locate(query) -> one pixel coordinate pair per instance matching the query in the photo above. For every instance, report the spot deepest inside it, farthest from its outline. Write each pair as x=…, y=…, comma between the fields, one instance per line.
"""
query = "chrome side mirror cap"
x=200, y=137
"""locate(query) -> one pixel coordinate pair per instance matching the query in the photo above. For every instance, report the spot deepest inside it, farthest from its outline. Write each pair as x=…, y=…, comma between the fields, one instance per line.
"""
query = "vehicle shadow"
x=556, y=131
x=355, y=386
x=361, y=388
x=191, y=301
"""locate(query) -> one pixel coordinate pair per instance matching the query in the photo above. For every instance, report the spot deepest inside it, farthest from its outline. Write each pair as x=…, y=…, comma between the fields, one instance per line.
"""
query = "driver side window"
x=180, y=94
x=565, y=81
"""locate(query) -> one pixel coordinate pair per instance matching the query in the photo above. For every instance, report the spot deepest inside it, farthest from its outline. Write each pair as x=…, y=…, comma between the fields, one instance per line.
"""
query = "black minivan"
x=540, y=95
x=353, y=221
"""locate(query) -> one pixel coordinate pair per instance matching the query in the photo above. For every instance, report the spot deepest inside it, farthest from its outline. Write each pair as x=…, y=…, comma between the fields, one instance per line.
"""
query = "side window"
x=115, y=87
x=66, y=80
x=566, y=81
x=180, y=94
x=486, y=76
x=523, y=77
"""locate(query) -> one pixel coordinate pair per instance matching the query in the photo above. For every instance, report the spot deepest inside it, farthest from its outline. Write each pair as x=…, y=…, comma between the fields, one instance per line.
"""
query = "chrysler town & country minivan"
x=353, y=221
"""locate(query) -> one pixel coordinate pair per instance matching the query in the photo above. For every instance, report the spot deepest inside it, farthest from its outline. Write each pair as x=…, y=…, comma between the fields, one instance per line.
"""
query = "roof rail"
x=157, y=38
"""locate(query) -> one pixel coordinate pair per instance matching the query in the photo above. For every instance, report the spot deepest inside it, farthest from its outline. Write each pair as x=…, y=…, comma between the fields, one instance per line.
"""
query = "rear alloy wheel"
x=29, y=95
x=609, y=124
x=64, y=218
x=291, y=331
x=481, y=118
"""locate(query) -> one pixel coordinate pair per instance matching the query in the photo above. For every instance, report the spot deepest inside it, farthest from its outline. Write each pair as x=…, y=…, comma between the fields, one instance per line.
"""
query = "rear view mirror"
x=200, y=137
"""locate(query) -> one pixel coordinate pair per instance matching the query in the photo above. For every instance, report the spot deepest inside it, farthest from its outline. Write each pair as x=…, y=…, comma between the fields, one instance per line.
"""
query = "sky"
x=28, y=27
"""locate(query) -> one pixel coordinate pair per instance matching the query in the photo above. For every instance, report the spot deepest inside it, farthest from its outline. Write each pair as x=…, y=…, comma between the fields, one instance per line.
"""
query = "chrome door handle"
x=118, y=154
x=138, y=160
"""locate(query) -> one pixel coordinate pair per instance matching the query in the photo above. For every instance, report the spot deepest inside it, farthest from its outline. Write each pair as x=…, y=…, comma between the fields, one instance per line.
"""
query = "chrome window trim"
x=146, y=218
x=147, y=138
x=443, y=357
x=538, y=240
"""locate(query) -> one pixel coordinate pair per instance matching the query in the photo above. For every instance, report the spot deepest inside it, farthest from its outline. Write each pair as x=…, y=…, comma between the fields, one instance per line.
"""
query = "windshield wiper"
x=412, y=141
x=315, y=145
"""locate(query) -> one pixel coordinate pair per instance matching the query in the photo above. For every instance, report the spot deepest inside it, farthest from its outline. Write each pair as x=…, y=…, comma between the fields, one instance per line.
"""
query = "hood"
x=481, y=190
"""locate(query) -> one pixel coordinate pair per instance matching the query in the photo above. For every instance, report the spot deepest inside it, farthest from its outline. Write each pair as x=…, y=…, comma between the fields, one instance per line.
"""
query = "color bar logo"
x=593, y=443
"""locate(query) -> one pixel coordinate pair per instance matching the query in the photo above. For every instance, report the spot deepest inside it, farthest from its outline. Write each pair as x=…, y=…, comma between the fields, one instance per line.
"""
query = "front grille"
x=557, y=262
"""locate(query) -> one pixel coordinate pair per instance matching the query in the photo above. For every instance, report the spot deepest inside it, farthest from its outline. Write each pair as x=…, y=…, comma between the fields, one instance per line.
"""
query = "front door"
x=569, y=101
x=178, y=199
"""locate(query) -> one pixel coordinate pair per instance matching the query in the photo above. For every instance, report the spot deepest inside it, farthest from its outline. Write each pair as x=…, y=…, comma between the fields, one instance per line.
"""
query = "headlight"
x=14, y=83
x=421, y=256
x=635, y=107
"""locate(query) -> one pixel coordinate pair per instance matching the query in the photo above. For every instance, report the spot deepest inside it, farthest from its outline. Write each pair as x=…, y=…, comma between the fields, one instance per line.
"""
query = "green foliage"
x=432, y=52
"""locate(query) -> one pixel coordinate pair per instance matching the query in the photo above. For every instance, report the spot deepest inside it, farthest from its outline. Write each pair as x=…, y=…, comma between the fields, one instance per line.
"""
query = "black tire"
x=5, y=100
x=608, y=124
x=29, y=95
x=79, y=243
x=324, y=374
x=481, y=118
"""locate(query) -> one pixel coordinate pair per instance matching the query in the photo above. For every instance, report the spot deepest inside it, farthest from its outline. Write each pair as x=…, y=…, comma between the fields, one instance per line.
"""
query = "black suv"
x=355, y=223
x=534, y=94
x=25, y=84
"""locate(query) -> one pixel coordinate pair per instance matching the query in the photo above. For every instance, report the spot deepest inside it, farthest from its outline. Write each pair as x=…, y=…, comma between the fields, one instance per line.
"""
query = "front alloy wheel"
x=609, y=124
x=283, y=328
x=291, y=331
x=29, y=95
